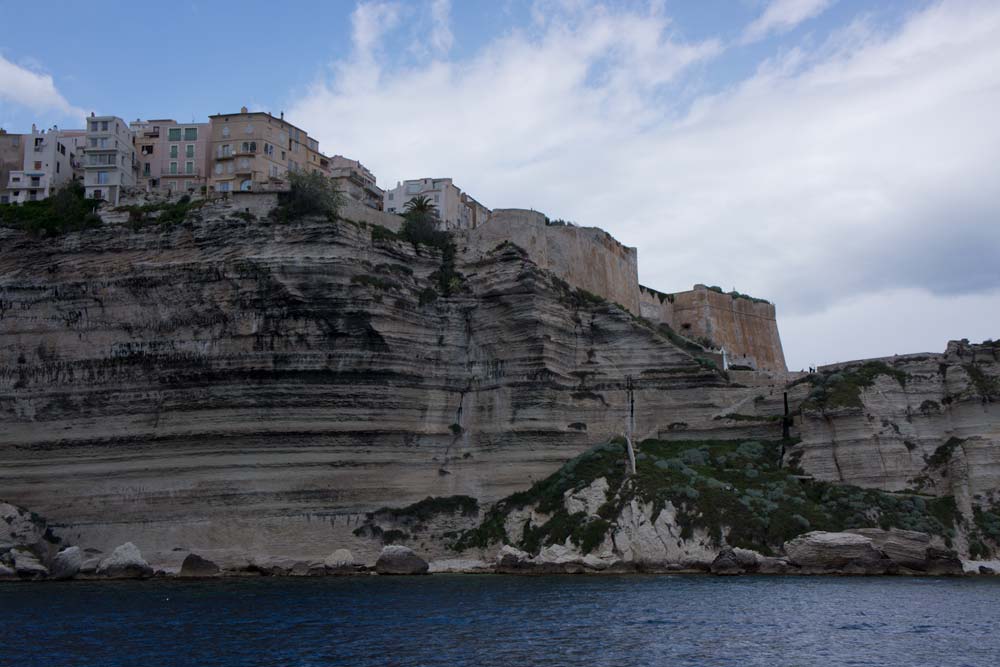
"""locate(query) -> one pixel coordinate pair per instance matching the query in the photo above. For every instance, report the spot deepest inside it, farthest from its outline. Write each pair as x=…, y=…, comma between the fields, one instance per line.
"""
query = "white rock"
x=27, y=565
x=825, y=550
x=341, y=558
x=67, y=563
x=588, y=499
x=125, y=562
x=458, y=565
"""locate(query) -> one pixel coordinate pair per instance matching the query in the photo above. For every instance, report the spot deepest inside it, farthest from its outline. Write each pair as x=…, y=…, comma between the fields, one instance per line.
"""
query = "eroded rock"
x=397, y=559
x=196, y=566
x=67, y=563
x=847, y=552
x=125, y=562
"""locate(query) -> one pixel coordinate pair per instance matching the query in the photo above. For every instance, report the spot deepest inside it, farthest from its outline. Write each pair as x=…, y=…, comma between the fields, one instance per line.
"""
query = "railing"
x=181, y=171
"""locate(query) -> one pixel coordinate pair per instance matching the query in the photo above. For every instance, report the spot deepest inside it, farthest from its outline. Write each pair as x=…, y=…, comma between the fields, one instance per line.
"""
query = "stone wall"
x=745, y=328
x=585, y=257
x=260, y=204
x=355, y=211
x=656, y=306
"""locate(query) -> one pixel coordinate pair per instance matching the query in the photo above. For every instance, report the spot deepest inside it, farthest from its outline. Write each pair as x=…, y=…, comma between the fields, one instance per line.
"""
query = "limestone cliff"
x=244, y=387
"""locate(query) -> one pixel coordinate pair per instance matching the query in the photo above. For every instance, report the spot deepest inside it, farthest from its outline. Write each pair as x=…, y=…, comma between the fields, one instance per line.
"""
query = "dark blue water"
x=509, y=621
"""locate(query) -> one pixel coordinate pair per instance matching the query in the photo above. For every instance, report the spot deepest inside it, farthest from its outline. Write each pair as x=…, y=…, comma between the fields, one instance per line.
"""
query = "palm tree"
x=420, y=206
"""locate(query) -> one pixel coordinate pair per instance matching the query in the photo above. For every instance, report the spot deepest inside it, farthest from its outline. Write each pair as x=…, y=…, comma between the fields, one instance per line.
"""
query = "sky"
x=840, y=158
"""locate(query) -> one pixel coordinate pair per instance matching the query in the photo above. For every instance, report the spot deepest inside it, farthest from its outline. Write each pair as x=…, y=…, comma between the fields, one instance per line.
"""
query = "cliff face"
x=248, y=388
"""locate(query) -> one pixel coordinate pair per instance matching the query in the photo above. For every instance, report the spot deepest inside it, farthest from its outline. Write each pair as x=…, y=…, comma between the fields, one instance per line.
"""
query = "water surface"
x=508, y=621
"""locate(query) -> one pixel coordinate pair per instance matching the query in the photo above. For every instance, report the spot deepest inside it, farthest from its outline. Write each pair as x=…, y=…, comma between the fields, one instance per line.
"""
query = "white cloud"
x=35, y=90
x=369, y=22
x=441, y=36
x=854, y=169
x=783, y=15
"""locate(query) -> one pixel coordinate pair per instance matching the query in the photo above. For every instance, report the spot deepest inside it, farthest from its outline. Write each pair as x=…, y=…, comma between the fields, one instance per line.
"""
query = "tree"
x=311, y=193
x=420, y=206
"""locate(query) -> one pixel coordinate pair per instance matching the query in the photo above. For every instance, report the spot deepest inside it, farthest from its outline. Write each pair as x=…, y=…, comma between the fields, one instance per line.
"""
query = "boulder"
x=458, y=565
x=280, y=566
x=125, y=562
x=341, y=559
x=196, y=566
x=6, y=572
x=67, y=562
x=21, y=528
x=27, y=565
x=907, y=548
x=397, y=559
x=509, y=559
x=843, y=552
x=912, y=550
x=90, y=565
x=734, y=560
x=986, y=570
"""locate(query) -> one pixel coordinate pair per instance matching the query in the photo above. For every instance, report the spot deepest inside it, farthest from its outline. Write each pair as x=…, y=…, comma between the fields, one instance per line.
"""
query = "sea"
x=508, y=621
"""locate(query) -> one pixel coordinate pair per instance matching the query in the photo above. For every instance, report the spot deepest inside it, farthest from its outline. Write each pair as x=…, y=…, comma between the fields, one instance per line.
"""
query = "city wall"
x=585, y=257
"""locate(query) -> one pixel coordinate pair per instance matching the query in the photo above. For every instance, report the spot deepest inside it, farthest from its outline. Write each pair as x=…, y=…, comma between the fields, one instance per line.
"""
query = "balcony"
x=181, y=172
x=225, y=156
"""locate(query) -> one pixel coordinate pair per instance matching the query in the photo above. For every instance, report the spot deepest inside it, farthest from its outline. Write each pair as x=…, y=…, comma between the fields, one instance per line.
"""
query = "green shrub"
x=310, y=193
x=66, y=210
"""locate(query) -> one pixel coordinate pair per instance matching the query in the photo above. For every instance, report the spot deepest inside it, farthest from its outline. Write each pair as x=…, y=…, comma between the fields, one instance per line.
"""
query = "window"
x=98, y=194
x=190, y=134
x=282, y=156
x=390, y=196
x=173, y=151
x=38, y=165
x=15, y=179
x=173, y=167
x=174, y=134
x=246, y=185
x=146, y=150
x=274, y=171
x=57, y=167
x=93, y=142
x=224, y=186
x=189, y=150
x=4, y=199
x=244, y=163
x=102, y=178
x=145, y=169
x=104, y=126
x=218, y=168
x=225, y=130
x=94, y=126
x=189, y=185
x=230, y=167
x=249, y=128
x=189, y=167
x=253, y=146
x=225, y=150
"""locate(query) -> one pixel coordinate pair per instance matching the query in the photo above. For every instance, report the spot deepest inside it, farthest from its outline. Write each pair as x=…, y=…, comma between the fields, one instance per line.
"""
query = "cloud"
x=369, y=22
x=858, y=166
x=783, y=15
x=441, y=36
x=34, y=90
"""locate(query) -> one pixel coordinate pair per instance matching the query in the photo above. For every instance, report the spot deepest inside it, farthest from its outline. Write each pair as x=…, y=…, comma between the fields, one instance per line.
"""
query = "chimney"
x=282, y=115
x=91, y=114
x=243, y=109
x=34, y=130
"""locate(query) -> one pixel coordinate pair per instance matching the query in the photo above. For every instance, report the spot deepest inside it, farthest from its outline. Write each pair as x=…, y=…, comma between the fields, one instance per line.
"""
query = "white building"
x=109, y=164
x=47, y=161
x=455, y=209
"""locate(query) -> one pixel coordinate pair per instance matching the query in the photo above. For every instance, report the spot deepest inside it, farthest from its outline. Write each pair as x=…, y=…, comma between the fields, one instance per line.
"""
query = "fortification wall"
x=585, y=257
x=747, y=329
x=656, y=306
x=355, y=211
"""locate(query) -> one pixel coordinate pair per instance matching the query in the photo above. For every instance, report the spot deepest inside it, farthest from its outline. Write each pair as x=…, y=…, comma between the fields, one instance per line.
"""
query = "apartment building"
x=36, y=164
x=356, y=181
x=317, y=162
x=455, y=209
x=171, y=156
x=253, y=149
x=109, y=158
x=11, y=159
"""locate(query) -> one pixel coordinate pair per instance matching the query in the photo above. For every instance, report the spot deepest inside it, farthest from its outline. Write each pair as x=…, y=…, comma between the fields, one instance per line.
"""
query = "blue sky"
x=835, y=156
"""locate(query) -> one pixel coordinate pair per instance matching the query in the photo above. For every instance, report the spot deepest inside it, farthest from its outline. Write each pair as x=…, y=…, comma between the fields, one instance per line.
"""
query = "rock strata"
x=396, y=559
x=823, y=551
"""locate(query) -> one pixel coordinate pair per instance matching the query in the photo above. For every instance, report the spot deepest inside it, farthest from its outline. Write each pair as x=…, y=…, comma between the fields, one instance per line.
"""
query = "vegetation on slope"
x=310, y=194
x=67, y=210
x=842, y=389
x=737, y=491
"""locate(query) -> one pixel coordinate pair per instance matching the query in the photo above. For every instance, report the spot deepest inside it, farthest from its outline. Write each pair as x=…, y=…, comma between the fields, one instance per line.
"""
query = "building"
x=11, y=159
x=171, y=156
x=455, y=209
x=317, y=162
x=253, y=149
x=47, y=161
x=356, y=181
x=109, y=165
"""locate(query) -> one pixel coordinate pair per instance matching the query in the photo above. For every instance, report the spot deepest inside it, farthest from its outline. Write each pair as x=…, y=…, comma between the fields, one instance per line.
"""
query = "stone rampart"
x=585, y=257
x=355, y=211
x=746, y=328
